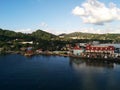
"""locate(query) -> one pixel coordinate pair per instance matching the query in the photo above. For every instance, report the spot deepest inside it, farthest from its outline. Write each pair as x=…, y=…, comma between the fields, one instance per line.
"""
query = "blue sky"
x=55, y=16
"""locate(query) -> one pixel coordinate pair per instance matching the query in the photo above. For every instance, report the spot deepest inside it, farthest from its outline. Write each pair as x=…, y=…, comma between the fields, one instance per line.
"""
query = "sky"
x=60, y=16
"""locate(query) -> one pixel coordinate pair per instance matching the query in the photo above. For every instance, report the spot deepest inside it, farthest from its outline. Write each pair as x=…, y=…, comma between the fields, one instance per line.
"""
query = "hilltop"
x=6, y=35
x=80, y=35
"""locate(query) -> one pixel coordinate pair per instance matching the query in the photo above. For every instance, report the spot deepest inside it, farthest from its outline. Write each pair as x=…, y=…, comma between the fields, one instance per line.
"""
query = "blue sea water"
x=43, y=72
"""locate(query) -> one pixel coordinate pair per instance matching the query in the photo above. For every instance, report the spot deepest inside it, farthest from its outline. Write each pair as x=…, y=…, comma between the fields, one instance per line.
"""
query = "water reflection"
x=75, y=62
x=96, y=75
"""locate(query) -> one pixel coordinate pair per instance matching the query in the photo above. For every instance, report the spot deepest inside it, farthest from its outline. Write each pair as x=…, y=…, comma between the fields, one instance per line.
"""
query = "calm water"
x=57, y=73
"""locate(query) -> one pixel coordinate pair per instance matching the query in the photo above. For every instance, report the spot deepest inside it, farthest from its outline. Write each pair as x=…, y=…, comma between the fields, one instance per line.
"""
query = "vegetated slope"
x=80, y=35
x=40, y=34
x=7, y=35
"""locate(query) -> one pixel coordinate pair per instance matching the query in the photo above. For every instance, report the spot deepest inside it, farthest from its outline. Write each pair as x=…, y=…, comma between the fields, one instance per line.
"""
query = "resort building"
x=100, y=49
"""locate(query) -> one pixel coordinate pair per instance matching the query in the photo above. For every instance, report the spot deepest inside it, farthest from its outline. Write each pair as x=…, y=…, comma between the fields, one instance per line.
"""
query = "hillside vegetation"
x=7, y=35
x=79, y=35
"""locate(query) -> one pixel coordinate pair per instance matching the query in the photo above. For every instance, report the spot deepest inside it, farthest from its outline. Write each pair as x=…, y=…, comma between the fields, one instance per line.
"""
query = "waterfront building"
x=77, y=50
x=116, y=46
x=100, y=49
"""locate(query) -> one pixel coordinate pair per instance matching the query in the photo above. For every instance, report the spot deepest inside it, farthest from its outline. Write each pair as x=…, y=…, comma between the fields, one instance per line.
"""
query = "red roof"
x=100, y=48
x=77, y=48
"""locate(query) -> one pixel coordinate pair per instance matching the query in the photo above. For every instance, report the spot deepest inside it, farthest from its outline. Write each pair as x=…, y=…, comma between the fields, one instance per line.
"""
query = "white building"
x=31, y=42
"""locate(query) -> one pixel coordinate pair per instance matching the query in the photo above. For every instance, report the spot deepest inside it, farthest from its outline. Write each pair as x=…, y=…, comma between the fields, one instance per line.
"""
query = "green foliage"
x=41, y=39
x=39, y=34
x=10, y=40
x=91, y=37
x=6, y=35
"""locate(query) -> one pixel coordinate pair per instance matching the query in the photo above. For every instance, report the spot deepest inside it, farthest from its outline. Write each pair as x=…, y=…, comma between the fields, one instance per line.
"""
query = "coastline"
x=65, y=55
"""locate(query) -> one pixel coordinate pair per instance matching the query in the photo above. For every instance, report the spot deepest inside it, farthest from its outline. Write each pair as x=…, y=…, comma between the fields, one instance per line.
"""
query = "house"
x=29, y=52
x=77, y=50
x=31, y=42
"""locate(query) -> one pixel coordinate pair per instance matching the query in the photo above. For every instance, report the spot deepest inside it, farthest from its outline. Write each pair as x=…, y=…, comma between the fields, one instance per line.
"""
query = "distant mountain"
x=80, y=35
x=6, y=35
x=40, y=34
x=63, y=34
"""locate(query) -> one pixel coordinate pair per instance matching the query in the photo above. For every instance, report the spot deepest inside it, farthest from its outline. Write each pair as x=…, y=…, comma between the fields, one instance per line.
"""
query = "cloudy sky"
x=61, y=16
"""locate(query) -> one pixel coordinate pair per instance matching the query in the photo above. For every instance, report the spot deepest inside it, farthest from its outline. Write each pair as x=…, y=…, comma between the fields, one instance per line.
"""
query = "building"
x=29, y=52
x=117, y=47
x=77, y=50
x=82, y=44
x=100, y=49
x=31, y=42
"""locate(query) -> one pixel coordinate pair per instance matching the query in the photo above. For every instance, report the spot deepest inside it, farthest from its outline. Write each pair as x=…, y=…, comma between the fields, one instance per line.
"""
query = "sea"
x=46, y=72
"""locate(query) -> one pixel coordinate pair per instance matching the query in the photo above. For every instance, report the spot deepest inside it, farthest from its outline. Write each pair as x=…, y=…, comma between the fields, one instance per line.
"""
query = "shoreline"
x=110, y=59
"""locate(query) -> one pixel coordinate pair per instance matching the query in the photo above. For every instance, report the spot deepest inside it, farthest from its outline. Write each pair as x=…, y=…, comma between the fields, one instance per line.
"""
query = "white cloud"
x=108, y=29
x=53, y=31
x=87, y=30
x=91, y=30
x=25, y=30
x=113, y=30
x=43, y=25
x=81, y=29
x=95, y=12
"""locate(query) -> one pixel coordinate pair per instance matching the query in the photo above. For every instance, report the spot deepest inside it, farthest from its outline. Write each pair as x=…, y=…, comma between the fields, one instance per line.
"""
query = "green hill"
x=7, y=35
x=80, y=35
x=40, y=34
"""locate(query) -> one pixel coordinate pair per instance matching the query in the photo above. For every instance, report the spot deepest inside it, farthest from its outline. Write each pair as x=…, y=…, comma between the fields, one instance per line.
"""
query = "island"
x=77, y=44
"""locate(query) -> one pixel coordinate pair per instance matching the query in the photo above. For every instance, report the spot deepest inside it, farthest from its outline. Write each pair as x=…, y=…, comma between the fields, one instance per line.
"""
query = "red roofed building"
x=100, y=49
x=77, y=50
